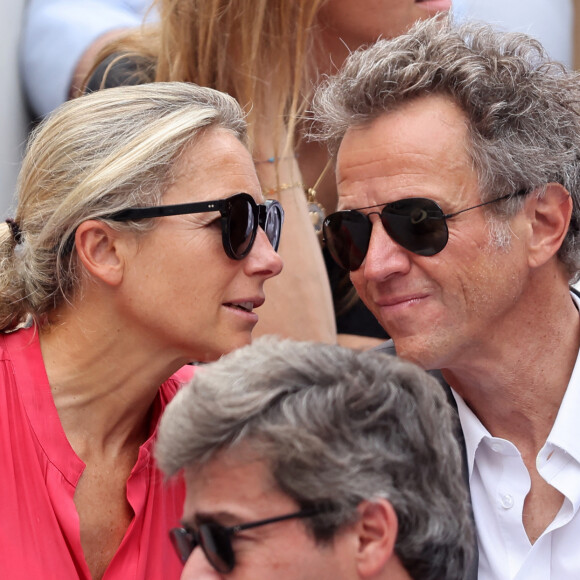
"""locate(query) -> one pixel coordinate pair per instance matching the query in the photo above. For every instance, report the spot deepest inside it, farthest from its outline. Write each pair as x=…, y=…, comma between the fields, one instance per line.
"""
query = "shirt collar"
x=473, y=430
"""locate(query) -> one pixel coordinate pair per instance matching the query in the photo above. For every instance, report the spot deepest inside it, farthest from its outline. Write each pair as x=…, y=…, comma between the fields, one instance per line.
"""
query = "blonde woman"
x=140, y=242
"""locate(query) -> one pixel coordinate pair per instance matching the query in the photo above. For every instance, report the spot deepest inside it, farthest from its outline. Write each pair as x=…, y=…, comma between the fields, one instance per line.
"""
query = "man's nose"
x=384, y=256
x=198, y=568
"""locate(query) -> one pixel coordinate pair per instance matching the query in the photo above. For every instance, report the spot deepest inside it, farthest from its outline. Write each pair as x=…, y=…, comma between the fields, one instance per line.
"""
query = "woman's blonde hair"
x=93, y=156
x=259, y=51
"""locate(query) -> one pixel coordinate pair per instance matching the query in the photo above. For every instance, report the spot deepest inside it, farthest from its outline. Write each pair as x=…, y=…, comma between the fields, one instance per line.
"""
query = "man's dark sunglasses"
x=417, y=224
x=216, y=540
x=241, y=216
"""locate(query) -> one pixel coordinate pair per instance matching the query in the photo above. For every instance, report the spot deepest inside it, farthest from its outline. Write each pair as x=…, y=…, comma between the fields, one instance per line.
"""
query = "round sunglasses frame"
x=263, y=214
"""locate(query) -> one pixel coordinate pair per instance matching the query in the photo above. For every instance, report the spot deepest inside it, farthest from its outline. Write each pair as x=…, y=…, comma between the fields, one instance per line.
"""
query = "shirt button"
x=496, y=447
x=507, y=501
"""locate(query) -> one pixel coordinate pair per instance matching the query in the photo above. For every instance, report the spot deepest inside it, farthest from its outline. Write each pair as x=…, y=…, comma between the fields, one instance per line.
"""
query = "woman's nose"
x=263, y=259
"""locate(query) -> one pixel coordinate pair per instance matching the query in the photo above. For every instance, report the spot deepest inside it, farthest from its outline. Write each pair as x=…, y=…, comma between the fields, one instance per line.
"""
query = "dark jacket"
x=389, y=348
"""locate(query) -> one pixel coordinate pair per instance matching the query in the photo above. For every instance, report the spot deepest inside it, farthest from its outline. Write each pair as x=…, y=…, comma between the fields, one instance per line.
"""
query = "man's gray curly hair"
x=522, y=108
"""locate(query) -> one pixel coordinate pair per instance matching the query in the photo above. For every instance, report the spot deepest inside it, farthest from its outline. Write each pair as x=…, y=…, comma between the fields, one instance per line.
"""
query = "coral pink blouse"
x=39, y=471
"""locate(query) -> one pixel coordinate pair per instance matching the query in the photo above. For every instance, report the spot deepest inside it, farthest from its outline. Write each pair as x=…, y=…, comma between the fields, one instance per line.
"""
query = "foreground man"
x=314, y=462
x=458, y=175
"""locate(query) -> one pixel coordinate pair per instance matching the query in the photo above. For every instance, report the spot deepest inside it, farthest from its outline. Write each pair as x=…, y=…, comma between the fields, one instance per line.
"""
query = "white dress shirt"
x=499, y=483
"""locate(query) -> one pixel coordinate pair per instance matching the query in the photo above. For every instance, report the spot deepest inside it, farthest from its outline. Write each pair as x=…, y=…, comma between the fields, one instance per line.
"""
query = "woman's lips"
x=245, y=306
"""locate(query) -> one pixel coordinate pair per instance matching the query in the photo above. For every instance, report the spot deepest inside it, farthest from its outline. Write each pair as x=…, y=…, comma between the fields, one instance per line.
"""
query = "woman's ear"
x=377, y=529
x=549, y=218
x=97, y=247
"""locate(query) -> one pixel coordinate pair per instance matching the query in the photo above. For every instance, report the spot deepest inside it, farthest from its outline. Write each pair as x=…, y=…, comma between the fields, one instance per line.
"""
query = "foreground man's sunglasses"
x=241, y=216
x=216, y=540
x=417, y=224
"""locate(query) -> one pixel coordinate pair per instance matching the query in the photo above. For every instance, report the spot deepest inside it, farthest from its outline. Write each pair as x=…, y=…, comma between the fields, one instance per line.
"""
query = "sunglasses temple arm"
x=502, y=198
x=301, y=514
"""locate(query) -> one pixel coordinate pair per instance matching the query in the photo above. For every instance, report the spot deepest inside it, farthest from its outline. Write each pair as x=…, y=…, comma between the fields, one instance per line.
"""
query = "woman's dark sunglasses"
x=216, y=540
x=240, y=218
x=417, y=224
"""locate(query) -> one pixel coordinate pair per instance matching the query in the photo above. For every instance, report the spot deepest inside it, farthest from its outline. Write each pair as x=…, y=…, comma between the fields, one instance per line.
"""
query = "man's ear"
x=97, y=247
x=549, y=218
x=377, y=532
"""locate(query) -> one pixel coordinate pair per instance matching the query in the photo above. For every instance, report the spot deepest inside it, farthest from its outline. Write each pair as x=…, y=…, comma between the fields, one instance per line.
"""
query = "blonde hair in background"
x=258, y=51
x=93, y=156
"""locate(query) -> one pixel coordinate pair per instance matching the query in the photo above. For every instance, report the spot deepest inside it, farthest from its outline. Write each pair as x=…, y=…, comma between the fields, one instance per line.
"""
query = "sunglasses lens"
x=217, y=547
x=347, y=235
x=417, y=224
x=273, y=222
x=183, y=543
x=241, y=225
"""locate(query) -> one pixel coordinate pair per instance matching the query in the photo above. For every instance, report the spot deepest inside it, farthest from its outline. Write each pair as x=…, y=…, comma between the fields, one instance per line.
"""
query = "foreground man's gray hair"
x=522, y=108
x=336, y=427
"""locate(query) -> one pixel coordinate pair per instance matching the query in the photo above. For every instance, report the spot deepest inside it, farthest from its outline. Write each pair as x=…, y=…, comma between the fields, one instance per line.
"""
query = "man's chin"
x=416, y=349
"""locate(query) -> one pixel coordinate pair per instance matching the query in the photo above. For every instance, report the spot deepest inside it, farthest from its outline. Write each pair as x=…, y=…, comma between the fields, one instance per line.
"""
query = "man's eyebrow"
x=223, y=518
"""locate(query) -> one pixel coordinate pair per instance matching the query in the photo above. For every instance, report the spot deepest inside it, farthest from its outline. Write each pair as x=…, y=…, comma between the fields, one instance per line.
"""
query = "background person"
x=117, y=307
x=355, y=452
x=61, y=38
x=460, y=231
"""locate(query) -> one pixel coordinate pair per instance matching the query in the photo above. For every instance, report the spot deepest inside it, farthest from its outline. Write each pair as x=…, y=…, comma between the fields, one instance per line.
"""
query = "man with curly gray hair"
x=458, y=172
x=316, y=462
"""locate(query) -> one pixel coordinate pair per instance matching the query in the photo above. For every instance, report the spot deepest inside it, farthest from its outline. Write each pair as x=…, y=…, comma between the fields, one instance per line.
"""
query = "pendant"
x=316, y=212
